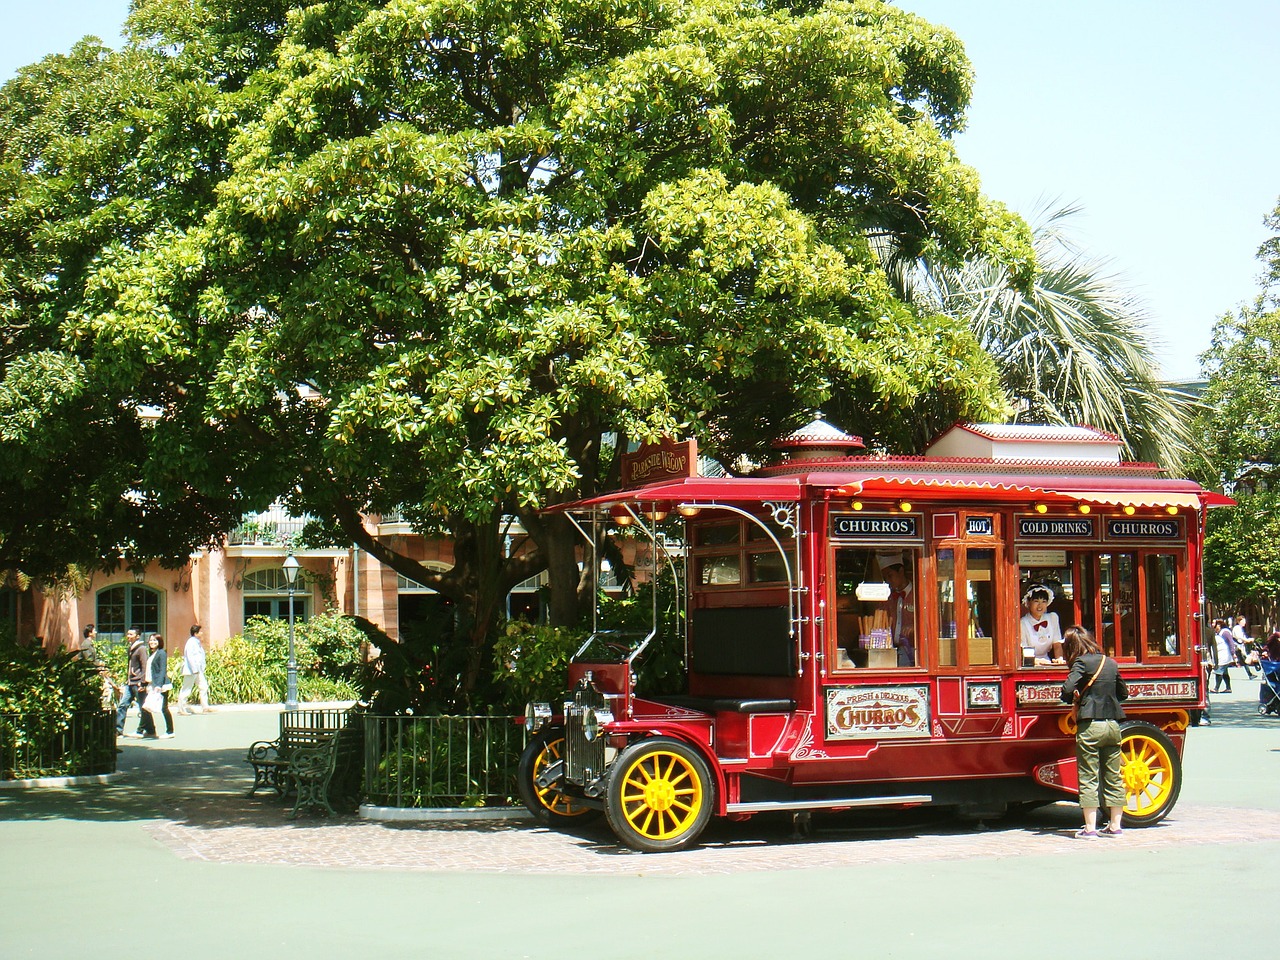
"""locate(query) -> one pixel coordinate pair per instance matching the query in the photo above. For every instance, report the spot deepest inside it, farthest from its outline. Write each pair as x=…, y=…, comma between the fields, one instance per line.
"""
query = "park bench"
x=326, y=770
x=298, y=728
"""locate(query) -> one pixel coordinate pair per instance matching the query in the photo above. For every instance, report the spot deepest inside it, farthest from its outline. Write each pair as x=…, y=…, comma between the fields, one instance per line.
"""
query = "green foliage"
x=447, y=762
x=1241, y=426
x=1073, y=348
x=42, y=698
x=661, y=668
x=1241, y=552
x=486, y=238
x=531, y=663
x=253, y=667
x=1242, y=420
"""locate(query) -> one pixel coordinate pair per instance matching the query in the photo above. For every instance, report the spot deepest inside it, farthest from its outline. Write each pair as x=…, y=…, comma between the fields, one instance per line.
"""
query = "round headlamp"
x=536, y=716
x=593, y=720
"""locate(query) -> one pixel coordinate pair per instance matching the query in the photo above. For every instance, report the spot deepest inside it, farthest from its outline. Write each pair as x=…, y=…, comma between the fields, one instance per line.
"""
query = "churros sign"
x=858, y=712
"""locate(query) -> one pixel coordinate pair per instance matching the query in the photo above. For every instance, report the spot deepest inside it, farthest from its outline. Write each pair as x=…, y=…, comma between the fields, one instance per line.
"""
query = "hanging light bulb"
x=905, y=506
x=1083, y=507
x=1042, y=508
x=856, y=504
x=688, y=509
x=1129, y=509
x=621, y=515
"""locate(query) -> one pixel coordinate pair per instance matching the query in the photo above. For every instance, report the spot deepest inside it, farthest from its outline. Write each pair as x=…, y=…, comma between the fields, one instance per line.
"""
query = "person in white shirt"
x=1041, y=631
x=1240, y=633
x=193, y=673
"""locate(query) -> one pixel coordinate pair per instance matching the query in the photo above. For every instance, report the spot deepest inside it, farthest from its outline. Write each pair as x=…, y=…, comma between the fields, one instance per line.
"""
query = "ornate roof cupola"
x=818, y=440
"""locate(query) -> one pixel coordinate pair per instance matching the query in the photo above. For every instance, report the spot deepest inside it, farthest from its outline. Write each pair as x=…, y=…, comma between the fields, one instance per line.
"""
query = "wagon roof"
x=924, y=478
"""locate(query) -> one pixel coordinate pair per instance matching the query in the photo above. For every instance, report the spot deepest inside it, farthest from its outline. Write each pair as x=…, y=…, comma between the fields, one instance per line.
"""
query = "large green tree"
x=458, y=253
x=1241, y=426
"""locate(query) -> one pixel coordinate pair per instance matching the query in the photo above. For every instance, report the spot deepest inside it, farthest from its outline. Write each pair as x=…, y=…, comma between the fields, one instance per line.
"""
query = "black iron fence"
x=442, y=761
x=57, y=745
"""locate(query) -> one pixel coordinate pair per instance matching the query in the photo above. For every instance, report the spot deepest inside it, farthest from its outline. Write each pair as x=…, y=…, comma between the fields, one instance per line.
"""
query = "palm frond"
x=1076, y=348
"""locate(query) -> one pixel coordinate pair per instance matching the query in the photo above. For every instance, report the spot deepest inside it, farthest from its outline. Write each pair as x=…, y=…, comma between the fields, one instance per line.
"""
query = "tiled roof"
x=1042, y=433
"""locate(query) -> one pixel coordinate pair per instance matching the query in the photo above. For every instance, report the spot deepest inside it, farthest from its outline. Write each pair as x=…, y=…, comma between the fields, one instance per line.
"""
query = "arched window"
x=266, y=594
x=419, y=605
x=126, y=606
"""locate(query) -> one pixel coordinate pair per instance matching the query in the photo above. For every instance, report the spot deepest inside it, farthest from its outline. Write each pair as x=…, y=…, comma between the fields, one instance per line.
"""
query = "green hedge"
x=51, y=714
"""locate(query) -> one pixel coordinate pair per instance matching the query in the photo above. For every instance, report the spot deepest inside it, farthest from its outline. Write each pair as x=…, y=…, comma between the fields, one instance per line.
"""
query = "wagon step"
x=767, y=806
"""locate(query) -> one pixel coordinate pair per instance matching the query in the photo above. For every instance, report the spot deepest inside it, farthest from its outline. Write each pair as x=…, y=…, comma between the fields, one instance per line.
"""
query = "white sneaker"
x=165, y=736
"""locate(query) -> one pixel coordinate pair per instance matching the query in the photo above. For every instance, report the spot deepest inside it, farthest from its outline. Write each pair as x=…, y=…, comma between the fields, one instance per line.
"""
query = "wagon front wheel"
x=548, y=805
x=1152, y=773
x=660, y=795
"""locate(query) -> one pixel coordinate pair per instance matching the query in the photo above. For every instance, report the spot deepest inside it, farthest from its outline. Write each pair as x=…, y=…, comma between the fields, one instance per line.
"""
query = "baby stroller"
x=1269, y=688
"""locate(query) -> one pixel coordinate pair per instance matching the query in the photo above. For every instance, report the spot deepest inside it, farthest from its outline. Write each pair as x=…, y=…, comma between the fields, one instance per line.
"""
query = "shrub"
x=253, y=667
x=532, y=662
x=43, y=701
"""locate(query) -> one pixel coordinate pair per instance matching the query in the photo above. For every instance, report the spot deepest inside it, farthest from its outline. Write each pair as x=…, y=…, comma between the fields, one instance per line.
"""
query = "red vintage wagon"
x=856, y=634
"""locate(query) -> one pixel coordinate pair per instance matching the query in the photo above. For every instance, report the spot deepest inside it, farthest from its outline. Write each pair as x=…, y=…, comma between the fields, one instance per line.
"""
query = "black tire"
x=660, y=795
x=549, y=806
x=1152, y=772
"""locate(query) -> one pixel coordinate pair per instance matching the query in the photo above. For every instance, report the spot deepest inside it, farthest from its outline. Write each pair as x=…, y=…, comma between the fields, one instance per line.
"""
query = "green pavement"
x=86, y=876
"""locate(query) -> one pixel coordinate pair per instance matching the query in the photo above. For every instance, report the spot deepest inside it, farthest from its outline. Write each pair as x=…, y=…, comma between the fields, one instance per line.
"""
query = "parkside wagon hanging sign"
x=665, y=460
x=857, y=712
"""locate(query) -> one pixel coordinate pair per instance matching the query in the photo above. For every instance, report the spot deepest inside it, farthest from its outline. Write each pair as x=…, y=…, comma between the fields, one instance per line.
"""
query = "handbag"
x=153, y=702
x=1075, y=704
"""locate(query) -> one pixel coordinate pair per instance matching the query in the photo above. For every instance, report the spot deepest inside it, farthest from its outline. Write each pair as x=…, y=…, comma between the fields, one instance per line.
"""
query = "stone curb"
x=461, y=814
x=37, y=783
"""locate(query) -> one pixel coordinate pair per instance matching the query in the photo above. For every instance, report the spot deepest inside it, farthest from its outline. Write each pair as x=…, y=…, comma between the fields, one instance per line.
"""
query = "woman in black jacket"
x=1094, y=684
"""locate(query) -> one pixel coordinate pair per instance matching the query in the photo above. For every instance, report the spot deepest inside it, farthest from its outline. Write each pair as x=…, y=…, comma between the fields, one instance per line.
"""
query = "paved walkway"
x=178, y=830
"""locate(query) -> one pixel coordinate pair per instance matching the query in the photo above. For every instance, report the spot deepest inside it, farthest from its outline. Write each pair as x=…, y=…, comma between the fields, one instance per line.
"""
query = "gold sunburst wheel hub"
x=1147, y=771
x=661, y=795
x=549, y=797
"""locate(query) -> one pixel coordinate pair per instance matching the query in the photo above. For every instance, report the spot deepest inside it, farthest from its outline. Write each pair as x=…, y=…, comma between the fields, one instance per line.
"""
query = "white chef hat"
x=889, y=558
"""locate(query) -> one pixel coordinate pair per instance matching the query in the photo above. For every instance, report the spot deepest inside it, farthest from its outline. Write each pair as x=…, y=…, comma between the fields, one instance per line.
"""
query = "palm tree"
x=1074, y=349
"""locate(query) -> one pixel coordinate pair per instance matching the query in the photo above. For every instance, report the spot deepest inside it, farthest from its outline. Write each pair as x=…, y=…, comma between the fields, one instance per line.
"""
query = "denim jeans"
x=129, y=696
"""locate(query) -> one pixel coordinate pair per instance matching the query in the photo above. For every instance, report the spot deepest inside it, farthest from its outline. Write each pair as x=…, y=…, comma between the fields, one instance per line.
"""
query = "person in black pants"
x=158, y=680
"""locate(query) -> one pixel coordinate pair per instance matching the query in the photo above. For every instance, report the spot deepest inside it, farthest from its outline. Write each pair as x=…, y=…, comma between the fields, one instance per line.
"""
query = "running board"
x=766, y=806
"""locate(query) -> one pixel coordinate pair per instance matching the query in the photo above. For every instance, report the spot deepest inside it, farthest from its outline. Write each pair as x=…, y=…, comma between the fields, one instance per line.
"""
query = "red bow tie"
x=1042, y=624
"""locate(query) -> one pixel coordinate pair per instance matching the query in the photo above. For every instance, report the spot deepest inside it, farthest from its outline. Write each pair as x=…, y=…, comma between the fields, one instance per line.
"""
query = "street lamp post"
x=291, y=676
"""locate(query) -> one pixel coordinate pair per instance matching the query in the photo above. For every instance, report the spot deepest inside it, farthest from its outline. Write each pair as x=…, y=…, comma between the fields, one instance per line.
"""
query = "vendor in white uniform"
x=1041, y=631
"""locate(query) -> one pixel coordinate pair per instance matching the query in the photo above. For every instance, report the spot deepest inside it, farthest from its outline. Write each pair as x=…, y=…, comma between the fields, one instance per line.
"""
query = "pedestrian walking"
x=158, y=682
x=193, y=665
x=1095, y=686
x=135, y=679
x=1240, y=634
x=1223, y=656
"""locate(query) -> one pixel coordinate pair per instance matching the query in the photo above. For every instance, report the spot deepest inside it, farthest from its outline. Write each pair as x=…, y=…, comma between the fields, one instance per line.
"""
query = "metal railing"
x=44, y=745
x=441, y=761
x=272, y=527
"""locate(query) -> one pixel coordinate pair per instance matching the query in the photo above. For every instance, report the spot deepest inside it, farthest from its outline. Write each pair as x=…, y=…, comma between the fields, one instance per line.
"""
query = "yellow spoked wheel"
x=548, y=805
x=1152, y=773
x=660, y=795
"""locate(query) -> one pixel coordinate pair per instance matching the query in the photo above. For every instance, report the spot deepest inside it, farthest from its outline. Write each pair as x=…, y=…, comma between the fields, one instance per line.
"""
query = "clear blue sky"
x=1156, y=117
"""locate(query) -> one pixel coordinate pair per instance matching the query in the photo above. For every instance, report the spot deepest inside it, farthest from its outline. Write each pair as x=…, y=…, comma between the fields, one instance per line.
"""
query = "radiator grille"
x=583, y=759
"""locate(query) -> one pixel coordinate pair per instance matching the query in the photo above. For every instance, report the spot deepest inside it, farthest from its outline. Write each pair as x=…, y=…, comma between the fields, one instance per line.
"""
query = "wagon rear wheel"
x=1152, y=773
x=660, y=795
x=548, y=805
